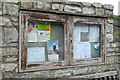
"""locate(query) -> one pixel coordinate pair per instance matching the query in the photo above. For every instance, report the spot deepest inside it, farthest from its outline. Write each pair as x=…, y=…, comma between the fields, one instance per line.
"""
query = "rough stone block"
x=15, y=19
x=26, y=4
x=39, y=5
x=117, y=59
x=8, y=67
x=108, y=13
x=58, y=7
x=80, y=71
x=110, y=50
x=113, y=45
x=1, y=41
x=9, y=51
x=72, y=9
x=47, y=6
x=11, y=59
x=107, y=44
x=110, y=21
x=103, y=67
x=0, y=54
x=11, y=9
x=117, y=50
x=109, y=37
x=108, y=6
x=99, y=11
x=62, y=73
x=97, y=4
x=92, y=69
x=5, y=21
x=42, y=5
x=9, y=44
x=15, y=23
x=11, y=1
x=0, y=4
x=73, y=3
x=110, y=59
x=1, y=20
x=49, y=74
x=109, y=28
x=88, y=10
x=86, y=4
x=26, y=75
x=0, y=12
x=16, y=70
x=7, y=74
x=11, y=34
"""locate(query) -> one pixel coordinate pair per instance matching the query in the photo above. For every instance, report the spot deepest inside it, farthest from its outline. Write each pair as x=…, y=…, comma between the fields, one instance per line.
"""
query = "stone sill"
x=62, y=67
x=97, y=75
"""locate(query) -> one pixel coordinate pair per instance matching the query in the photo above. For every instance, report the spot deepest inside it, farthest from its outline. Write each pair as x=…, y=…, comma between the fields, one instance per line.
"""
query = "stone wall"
x=116, y=46
x=9, y=28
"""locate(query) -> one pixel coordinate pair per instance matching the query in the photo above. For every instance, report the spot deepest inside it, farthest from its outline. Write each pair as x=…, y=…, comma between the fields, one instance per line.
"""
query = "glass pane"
x=86, y=41
x=45, y=41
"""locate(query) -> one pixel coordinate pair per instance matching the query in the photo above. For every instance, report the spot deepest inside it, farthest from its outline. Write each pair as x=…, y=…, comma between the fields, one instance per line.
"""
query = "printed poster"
x=52, y=47
x=43, y=33
x=32, y=32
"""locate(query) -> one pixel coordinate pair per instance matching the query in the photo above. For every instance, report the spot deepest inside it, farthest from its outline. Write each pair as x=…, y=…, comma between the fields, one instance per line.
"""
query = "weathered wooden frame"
x=90, y=20
x=68, y=40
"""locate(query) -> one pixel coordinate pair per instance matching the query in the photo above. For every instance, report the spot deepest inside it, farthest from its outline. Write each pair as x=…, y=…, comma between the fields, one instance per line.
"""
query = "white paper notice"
x=78, y=28
x=81, y=27
x=32, y=37
x=76, y=50
x=79, y=47
x=85, y=50
x=94, y=33
x=82, y=50
x=76, y=34
x=53, y=57
x=35, y=54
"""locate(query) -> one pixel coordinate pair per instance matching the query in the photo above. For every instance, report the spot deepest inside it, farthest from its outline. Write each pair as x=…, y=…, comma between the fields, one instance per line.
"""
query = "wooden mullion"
x=71, y=30
x=68, y=39
x=103, y=40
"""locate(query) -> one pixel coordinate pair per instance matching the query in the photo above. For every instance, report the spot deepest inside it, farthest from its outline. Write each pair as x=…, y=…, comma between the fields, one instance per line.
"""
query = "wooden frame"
x=68, y=41
x=102, y=41
x=23, y=40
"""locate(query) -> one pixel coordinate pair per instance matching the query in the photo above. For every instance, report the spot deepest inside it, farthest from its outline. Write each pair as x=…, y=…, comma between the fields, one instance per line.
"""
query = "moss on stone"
x=116, y=34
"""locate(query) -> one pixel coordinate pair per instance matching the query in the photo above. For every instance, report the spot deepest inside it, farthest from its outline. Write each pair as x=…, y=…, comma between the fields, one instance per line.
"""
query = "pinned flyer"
x=43, y=32
x=32, y=32
x=96, y=46
x=53, y=53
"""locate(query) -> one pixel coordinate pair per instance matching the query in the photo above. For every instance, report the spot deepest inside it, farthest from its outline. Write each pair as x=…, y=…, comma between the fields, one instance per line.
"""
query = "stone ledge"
x=97, y=75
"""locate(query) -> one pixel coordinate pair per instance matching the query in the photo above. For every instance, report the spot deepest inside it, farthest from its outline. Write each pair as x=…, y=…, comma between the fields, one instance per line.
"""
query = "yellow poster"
x=43, y=31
